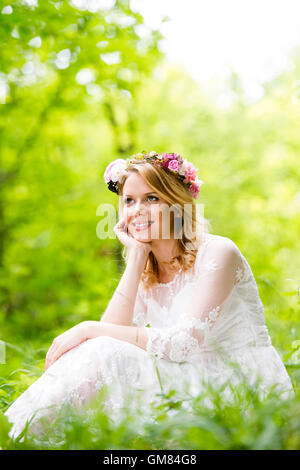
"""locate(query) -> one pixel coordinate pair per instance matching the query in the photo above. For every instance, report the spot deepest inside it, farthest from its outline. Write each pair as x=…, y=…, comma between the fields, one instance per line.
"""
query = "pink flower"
x=190, y=173
x=165, y=162
x=173, y=156
x=194, y=190
x=174, y=165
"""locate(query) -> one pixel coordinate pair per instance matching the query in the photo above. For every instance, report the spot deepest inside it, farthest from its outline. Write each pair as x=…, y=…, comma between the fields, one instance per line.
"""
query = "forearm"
x=121, y=306
x=130, y=334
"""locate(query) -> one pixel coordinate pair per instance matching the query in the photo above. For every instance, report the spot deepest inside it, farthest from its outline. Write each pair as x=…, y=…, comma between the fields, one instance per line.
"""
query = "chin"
x=140, y=238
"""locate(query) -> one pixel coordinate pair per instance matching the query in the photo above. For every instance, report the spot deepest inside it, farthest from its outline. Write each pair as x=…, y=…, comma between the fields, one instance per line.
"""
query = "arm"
x=120, y=309
x=221, y=268
x=218, y=273
x=121, y=306
x=217, y=277
x=131, y=334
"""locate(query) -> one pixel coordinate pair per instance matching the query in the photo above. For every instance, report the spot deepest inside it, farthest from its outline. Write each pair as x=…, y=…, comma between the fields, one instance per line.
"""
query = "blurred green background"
x=82, y=88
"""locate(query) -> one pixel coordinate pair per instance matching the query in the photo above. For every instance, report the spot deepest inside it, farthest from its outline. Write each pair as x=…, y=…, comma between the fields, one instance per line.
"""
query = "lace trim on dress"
x=241, y=273
x=180, y=342
x=197, y=323
x=157, y=341
x=170, y=283
x=139, y=319
x=211, y=265
x=182, y=346
x=180, y=338
x=222, y=267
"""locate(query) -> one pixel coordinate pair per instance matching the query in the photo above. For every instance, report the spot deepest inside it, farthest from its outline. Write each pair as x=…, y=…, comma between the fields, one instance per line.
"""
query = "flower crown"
x=172, y=162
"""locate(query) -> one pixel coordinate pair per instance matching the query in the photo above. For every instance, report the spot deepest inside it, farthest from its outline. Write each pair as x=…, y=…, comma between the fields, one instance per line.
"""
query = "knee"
x=104, y=341
x=105, y=345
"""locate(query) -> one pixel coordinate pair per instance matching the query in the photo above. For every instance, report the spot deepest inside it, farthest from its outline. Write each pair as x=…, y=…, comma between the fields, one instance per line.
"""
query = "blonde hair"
x=171, y=190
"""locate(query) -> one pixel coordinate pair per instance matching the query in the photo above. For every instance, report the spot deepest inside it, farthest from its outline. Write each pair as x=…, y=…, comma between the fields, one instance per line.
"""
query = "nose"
x=138, y=209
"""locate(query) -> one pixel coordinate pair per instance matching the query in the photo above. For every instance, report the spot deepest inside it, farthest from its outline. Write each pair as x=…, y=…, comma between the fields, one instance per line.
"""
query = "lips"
x=138, y=226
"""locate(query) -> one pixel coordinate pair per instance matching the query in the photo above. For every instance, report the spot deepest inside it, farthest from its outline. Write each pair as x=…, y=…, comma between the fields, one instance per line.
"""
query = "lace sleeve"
x=220, y=268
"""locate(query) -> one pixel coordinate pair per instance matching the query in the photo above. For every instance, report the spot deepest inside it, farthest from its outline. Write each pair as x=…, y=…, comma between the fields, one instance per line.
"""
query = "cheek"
x=156, y=214
x=125, y=214
x=165, y=216
x=128, y=213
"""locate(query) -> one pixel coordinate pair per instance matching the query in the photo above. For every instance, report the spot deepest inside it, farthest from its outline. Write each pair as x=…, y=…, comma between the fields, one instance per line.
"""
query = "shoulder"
x=219, y=249
x=219, y=243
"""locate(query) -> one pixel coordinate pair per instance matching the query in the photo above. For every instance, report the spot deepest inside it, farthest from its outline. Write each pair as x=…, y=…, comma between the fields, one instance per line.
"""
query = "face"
x=143, y=209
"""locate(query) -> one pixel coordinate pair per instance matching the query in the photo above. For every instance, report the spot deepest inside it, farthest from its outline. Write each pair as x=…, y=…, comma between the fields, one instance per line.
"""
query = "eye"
x=151, y=198
x=127, y=199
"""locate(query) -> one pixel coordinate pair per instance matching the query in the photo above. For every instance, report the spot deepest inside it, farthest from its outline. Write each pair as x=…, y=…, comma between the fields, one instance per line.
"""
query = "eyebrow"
x=146, y=194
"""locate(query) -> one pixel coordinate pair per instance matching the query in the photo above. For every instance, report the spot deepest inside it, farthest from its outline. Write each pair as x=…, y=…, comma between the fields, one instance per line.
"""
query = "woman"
x=186, y=308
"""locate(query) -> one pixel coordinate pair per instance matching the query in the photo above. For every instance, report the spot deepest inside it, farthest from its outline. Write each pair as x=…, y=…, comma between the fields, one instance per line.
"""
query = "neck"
x=164, y=251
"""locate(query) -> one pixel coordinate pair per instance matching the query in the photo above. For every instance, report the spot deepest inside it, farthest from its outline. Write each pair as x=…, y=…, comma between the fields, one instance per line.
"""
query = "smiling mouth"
x=143, y=226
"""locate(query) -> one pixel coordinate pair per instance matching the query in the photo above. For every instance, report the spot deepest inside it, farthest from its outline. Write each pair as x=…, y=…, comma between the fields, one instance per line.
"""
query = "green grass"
x=247, y=422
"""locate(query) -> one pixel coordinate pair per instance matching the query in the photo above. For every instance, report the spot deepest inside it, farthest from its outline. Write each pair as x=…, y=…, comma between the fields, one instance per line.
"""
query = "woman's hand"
x=127, y=239
x=66, y=341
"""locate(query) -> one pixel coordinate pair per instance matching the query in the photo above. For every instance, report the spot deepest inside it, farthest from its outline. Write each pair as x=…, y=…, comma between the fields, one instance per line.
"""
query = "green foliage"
x=246, y=422
x=50, y=187
x=71, y=108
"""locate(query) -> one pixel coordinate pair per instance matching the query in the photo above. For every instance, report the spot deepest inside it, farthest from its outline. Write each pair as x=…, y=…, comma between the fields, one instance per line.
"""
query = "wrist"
x=138, y=257
x=91, y=329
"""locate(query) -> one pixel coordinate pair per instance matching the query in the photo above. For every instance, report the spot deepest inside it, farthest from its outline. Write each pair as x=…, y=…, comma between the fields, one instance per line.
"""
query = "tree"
x=56, y=58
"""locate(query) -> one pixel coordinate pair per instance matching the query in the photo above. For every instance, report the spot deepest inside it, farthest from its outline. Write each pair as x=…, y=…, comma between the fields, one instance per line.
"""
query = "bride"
x=186, y=309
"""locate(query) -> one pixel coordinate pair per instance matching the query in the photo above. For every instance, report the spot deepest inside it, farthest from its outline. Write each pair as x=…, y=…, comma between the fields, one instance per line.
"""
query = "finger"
x=121, y=225
x=58, y=352
x=51, y=359
x=121, y=228
x=56, y=343
x=48, y=356
x=51, y=350
x=122, y=236
x=48, y=360
x=51, y=354
x=120, y=222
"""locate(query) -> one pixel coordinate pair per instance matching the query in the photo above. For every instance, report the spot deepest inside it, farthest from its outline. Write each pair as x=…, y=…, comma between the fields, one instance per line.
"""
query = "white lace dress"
x=198, y=326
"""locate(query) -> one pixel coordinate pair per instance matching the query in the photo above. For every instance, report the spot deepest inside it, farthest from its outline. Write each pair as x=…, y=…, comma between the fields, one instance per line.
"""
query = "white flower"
x=198, y=182
x=117, y=171
x=151, y=154
x=183, y=168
